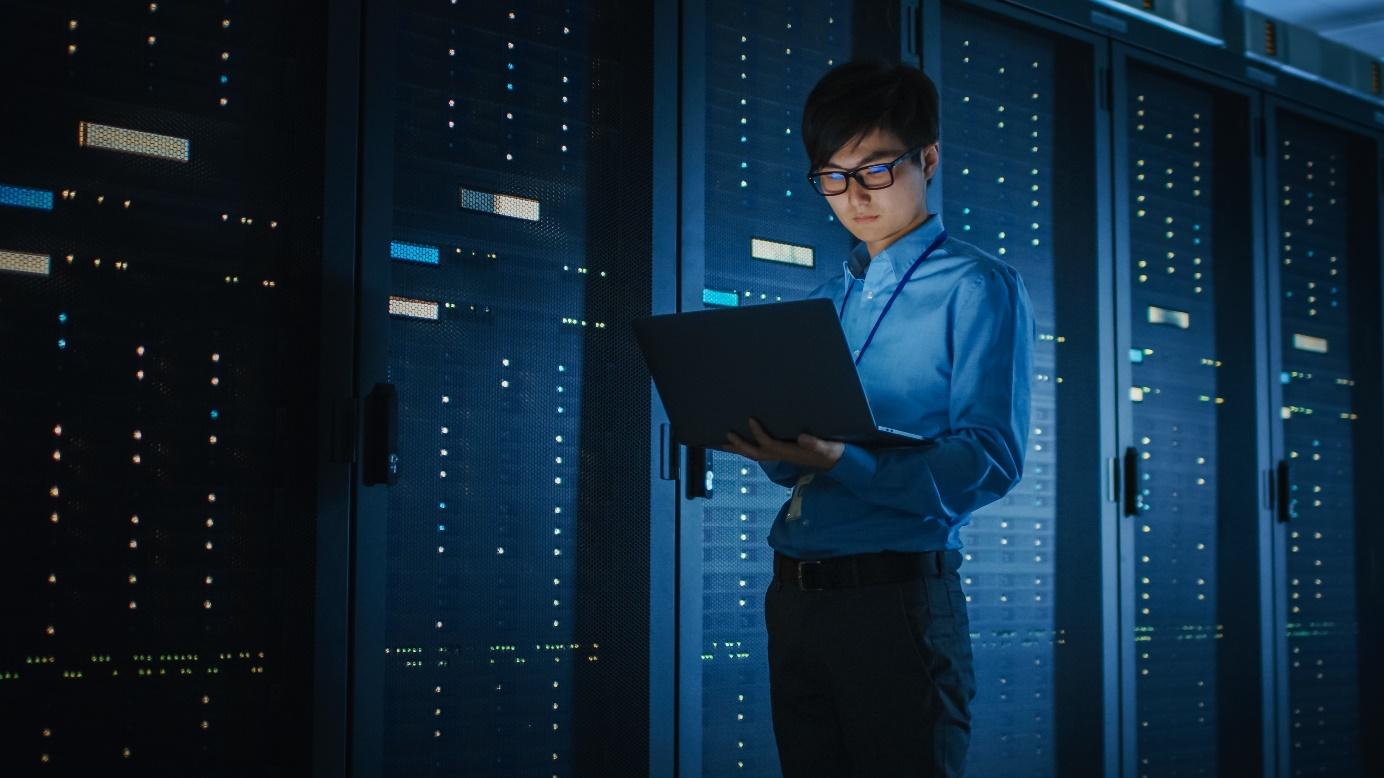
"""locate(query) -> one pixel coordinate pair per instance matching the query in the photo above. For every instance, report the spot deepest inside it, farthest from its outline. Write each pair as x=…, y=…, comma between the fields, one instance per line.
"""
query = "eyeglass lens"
x=874, y=177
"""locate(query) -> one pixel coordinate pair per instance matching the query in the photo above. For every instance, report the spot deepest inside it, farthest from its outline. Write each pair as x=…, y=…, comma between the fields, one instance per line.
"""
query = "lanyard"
x=940, y=238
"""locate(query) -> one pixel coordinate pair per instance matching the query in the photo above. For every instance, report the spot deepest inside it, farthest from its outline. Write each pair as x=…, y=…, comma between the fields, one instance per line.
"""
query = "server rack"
x=161, y=173
x=371, y=76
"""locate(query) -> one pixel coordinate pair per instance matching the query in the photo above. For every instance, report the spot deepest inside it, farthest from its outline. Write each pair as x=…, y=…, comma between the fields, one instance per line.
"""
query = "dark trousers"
x=871, y=681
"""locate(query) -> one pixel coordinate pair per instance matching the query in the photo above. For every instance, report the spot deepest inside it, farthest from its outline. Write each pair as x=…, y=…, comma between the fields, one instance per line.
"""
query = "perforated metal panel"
x=1319, y=421
x=159, y=204
x=1171, y=168
x=517, y=586
x=769, y=238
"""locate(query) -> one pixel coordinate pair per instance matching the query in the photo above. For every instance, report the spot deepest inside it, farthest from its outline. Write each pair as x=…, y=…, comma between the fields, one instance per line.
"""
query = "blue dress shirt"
x=951, y=361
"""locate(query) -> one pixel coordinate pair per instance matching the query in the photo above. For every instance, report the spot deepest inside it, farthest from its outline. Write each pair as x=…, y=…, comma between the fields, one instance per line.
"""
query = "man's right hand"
x=807, y=451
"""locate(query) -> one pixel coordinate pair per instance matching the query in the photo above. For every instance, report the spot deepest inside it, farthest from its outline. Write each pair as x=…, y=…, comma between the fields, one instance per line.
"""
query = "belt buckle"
x=801, y=585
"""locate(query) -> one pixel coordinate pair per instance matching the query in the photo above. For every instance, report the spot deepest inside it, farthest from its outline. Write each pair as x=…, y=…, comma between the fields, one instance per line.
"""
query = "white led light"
x=787, y=253
x=22, y=262
x=1180, y=319
x=413, y=309
x=147, y=144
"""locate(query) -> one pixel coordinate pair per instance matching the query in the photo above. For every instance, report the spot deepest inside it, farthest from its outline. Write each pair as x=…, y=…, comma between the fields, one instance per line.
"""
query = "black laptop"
x=786, y=364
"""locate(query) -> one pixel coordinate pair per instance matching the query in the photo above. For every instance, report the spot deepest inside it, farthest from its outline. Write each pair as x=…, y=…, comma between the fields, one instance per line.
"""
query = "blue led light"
x=62, y=318
x=62, y=342
x=442, y=506
x=1136, y=355
x=1284, y=378
x=413, y=252
x=714, y=297
x=224, y=79
x=510, y=87
x=215, y=415
x=21, y=197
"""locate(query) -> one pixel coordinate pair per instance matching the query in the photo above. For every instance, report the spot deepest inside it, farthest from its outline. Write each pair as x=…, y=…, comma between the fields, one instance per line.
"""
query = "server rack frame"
x=334, y=665
x=1226, y=59
x=1249, y=571
x=1369, y=446
x=1086, y=687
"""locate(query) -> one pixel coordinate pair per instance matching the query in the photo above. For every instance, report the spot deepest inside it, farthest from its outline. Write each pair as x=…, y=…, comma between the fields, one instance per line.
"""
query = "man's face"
x=895, y=209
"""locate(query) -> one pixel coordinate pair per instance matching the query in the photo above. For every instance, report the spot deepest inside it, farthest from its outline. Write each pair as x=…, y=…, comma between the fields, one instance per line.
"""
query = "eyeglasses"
x=876, y=175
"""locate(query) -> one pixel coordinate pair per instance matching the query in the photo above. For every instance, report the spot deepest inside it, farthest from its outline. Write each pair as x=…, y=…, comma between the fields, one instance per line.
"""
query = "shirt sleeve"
x=980, y=458
x=782, y=473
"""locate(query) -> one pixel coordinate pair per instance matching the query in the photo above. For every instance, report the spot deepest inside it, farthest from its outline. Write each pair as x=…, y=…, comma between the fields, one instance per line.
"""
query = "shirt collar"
x=901, y=254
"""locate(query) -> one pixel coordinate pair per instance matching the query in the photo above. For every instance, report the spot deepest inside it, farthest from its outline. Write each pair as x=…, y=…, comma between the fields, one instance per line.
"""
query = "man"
x=870, y=664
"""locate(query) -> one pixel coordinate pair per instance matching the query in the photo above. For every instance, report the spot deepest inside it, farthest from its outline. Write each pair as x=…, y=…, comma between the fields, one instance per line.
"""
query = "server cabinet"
x=1324, y=196
x=753, y=231
x=502, y=582
x=1022, y=127
x=751, y=237
x=159, y=254
x=418, y=471
x=1192, y=533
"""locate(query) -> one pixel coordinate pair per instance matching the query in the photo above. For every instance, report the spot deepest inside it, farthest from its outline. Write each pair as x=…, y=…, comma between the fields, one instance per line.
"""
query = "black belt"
x=841, y=572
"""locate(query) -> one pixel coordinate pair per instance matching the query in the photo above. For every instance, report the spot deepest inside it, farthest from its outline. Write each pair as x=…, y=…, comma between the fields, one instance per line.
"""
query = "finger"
x=760, y=435
x=822, y=448
x=739, y=446
x=756, y=430
x=734, y=449
x=772, y=448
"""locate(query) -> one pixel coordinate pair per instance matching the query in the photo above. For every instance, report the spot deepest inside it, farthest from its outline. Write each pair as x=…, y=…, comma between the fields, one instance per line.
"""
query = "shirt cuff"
x=856, y=467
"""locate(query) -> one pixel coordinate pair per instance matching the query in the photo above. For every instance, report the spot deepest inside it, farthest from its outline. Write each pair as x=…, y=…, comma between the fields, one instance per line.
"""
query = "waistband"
x=864, y=569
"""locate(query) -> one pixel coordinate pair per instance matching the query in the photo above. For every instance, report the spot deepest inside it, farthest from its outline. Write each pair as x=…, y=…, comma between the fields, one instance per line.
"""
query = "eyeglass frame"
x=855, y=172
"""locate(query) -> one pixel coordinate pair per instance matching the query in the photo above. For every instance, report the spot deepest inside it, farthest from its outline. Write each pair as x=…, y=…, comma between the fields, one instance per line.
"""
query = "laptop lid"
x=786, y=364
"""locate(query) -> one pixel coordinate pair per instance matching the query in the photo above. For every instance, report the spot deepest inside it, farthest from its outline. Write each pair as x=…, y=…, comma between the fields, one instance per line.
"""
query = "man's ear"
x=930, y=159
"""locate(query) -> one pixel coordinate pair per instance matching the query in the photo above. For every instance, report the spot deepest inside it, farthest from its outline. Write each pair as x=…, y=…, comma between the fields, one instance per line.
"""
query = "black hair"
x=856, y=97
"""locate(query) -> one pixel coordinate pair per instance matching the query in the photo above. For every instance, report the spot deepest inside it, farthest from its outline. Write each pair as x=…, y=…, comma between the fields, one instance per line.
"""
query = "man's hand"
x=807, y=451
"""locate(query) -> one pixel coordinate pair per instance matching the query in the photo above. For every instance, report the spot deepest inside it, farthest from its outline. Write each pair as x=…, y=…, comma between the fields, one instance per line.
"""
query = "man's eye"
x=834, y=176
x=876, y=169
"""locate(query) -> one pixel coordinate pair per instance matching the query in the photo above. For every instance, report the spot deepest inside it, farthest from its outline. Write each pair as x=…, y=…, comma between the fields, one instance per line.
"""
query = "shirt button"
x=857, y=353
x=869, y=295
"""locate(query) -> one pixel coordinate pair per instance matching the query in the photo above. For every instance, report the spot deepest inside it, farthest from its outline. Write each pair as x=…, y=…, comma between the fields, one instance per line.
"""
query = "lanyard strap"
x=940, y=238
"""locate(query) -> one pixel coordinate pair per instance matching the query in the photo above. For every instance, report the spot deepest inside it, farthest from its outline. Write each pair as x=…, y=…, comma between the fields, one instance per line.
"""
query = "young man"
x=870, y=666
